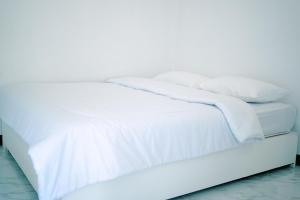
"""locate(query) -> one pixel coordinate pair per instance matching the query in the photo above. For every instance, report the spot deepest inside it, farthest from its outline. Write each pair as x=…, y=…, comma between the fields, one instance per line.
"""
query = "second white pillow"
x=187, y=79
x=246, y=89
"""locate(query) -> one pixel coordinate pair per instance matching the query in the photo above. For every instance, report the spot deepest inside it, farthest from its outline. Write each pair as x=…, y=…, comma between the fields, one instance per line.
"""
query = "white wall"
x=255, y=38
x=93, y=39
x=84, y=39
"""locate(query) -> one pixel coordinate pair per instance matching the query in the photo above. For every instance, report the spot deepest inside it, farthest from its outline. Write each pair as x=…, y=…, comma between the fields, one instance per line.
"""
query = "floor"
x=279, y=184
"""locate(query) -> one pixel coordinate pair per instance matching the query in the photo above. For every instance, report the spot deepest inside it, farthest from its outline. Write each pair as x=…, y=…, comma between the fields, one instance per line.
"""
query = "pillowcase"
x=246, y=89
x=182, y=78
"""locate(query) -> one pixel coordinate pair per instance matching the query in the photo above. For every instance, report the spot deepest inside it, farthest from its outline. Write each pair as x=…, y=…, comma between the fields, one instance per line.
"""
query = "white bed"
x=160, y=132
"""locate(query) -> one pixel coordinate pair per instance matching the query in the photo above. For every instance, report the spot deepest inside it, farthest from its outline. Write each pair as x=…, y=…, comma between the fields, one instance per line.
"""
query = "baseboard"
x=298, y=160
x=0, y=140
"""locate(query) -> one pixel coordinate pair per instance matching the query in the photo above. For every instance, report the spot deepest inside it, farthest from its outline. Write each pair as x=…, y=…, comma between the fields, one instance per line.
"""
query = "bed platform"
x=175, y=179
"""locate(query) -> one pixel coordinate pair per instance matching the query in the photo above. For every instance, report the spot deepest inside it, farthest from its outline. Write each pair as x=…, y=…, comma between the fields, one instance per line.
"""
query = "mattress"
x=275, y=118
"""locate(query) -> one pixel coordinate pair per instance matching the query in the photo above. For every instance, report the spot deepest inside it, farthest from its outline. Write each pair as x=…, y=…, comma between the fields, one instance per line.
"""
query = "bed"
x=168, y=140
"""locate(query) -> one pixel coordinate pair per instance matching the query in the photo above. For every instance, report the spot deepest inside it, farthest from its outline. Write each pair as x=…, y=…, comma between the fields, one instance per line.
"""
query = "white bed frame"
x=175, y=179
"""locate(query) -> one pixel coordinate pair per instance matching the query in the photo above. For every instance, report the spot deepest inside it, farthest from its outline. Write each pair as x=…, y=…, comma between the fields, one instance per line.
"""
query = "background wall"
x=84, y=39
x=254, y=38
x=95, y=39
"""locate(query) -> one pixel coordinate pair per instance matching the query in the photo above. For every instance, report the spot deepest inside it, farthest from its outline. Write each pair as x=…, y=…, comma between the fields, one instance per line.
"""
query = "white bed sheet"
x=82, y=133
x=275, y=118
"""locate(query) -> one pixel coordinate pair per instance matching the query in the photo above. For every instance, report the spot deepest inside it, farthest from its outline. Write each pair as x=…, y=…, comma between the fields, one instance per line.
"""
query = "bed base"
x=175, y=179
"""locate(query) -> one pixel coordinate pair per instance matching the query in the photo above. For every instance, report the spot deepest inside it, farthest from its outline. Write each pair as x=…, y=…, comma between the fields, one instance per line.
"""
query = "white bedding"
x=83, y=133
x=275, y=118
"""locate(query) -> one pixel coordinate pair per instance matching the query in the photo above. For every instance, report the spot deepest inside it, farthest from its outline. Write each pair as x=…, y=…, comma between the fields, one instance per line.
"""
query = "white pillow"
x=182, y=78
x=246, y=89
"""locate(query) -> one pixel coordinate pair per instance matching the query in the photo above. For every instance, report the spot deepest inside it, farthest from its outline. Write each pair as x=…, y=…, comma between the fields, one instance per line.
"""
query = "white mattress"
x=275, y=118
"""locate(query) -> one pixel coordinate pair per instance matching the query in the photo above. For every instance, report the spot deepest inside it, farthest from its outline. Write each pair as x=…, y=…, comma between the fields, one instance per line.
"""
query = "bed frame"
x=175, y=179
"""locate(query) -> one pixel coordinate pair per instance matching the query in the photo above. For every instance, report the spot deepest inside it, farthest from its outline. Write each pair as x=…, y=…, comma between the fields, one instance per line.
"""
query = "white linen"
x=187, y=79
x=275, y=118
x=83, y=133
x=249, y=90
x=241, y=118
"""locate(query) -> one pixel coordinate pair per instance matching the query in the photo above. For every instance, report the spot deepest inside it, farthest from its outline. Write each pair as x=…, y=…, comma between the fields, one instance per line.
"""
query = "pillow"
x=246, y=89
x=182, y=78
